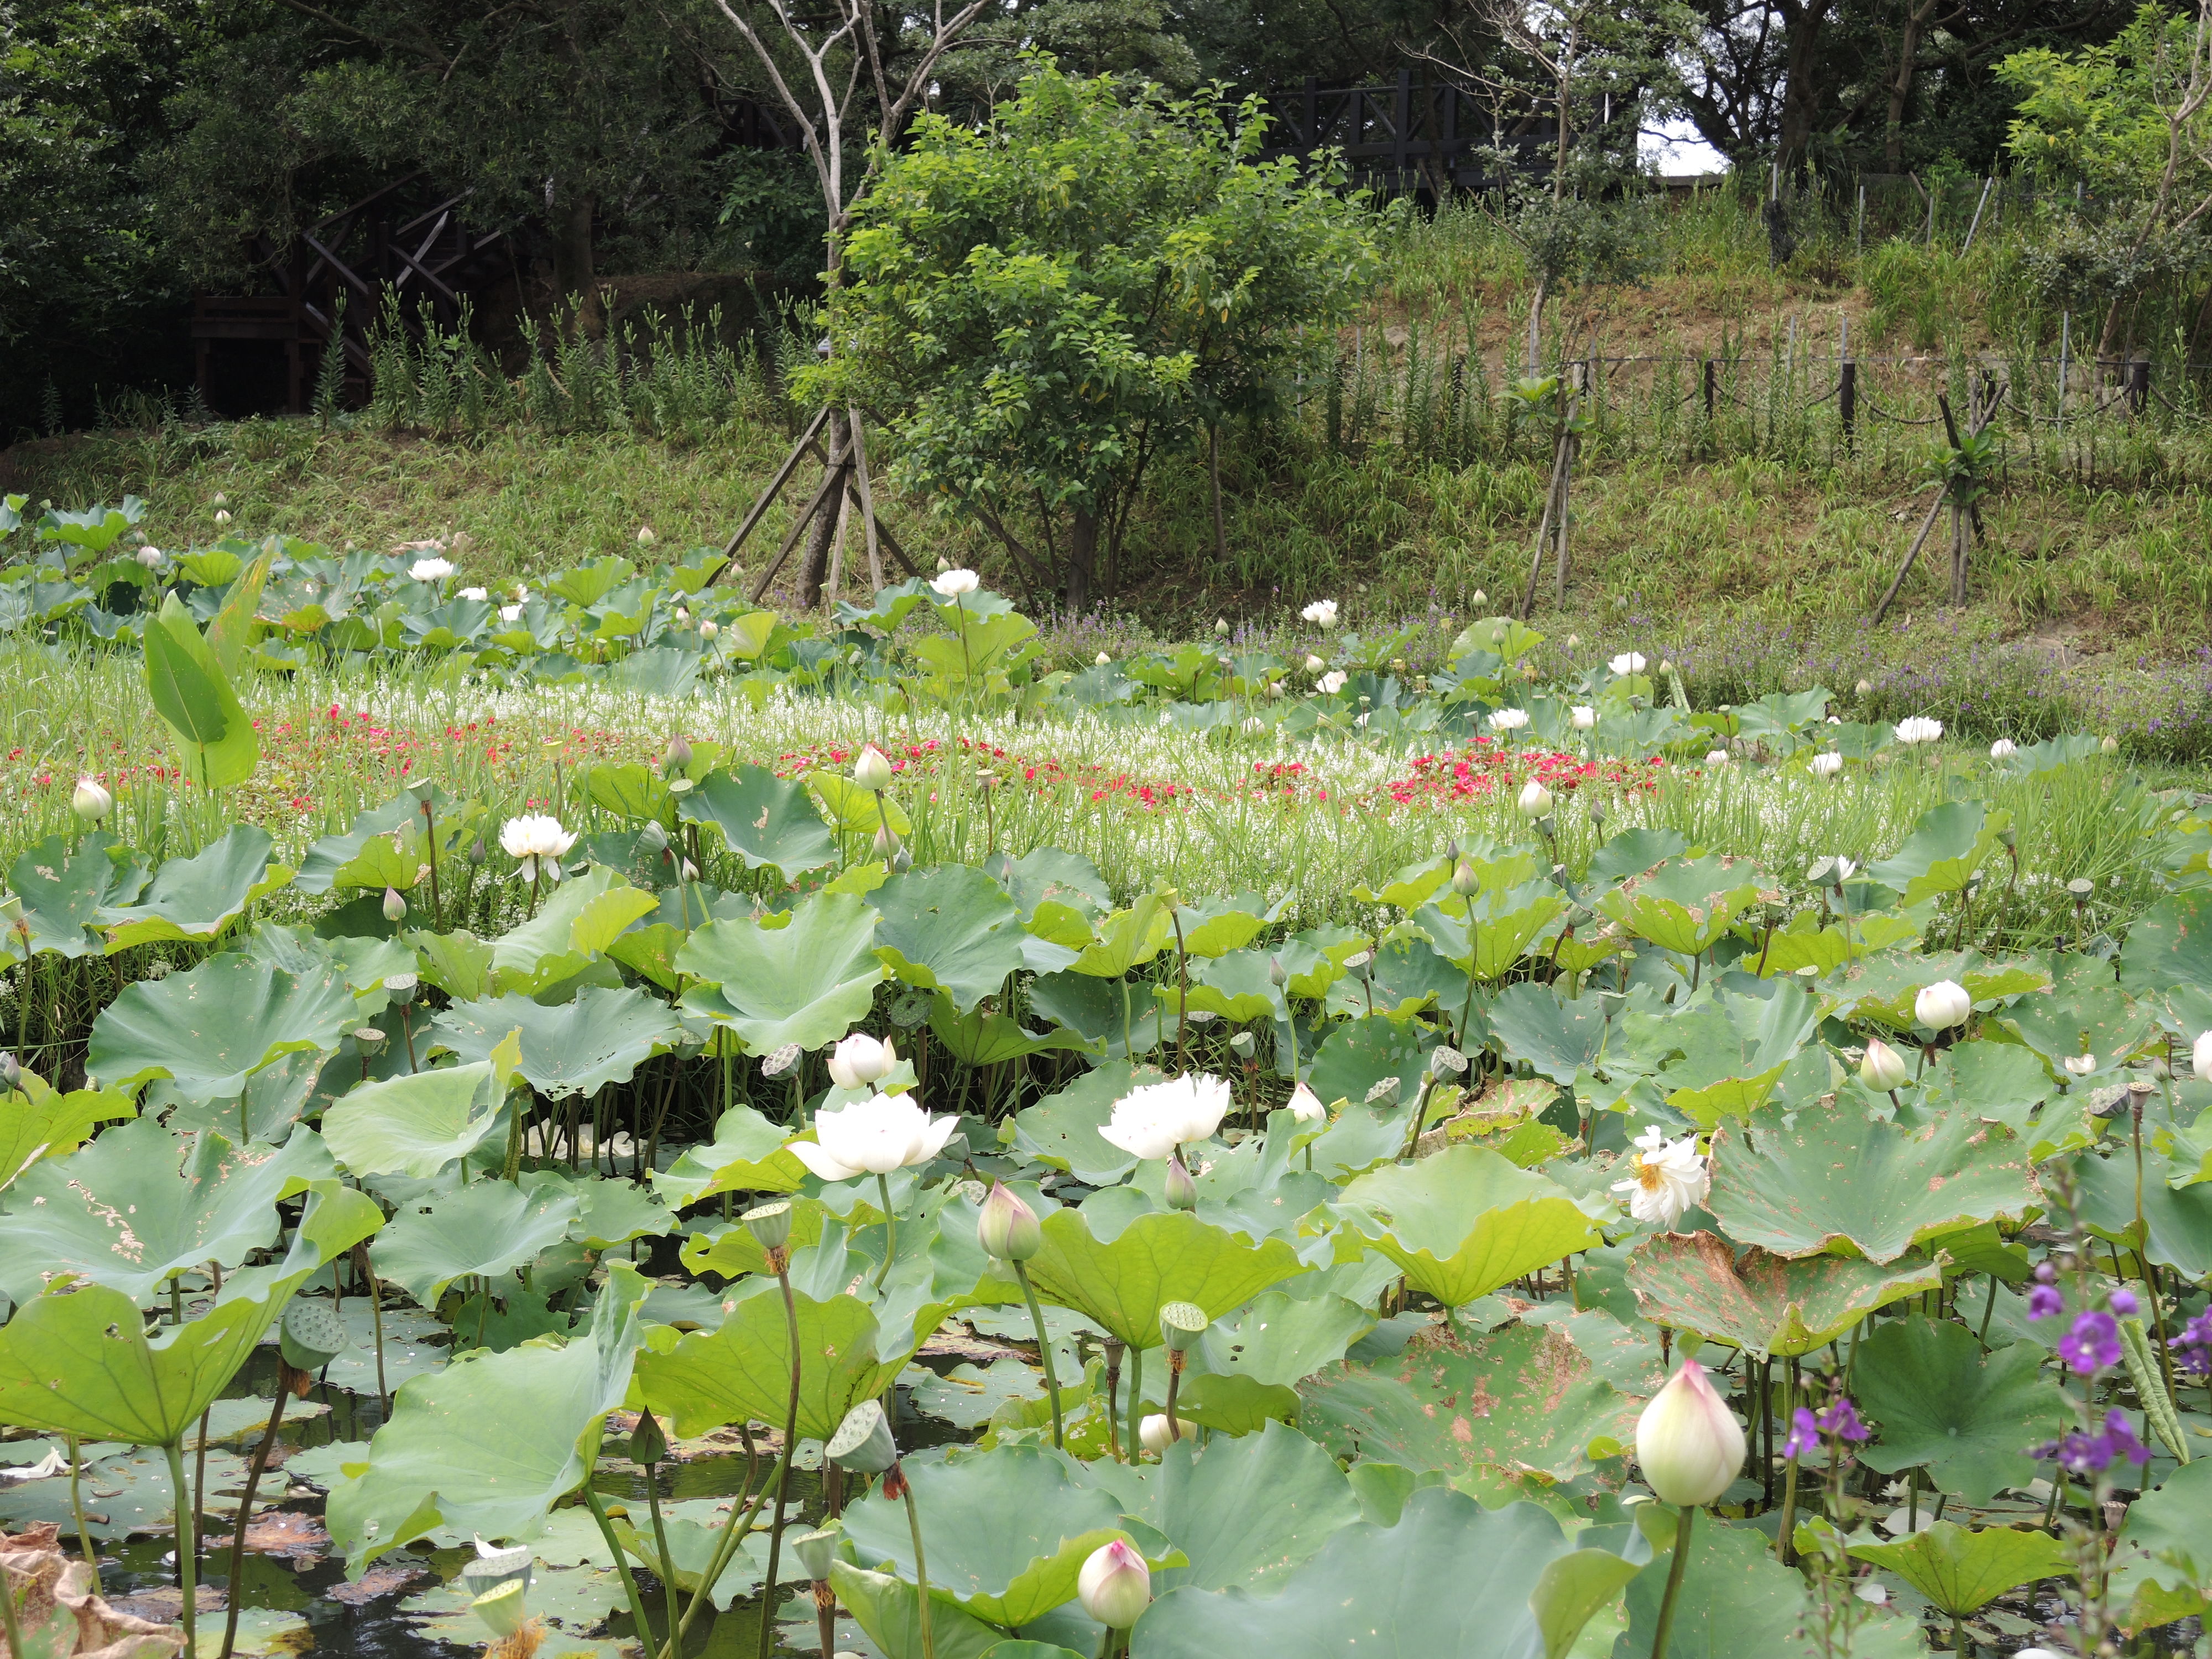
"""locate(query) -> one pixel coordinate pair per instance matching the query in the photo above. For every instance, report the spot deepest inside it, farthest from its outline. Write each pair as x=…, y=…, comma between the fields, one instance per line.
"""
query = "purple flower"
x=2124, y=1302
x=1804, y=1437
x=2122, y=1439
x=2094, y=1343
x=2045, y=1301
x=2045, y=1273
x=2193, y=1347
x=1842, y=1420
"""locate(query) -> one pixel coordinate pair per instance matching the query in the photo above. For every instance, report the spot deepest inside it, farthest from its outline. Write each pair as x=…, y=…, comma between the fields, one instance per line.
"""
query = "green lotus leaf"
x=79, y=1359
x=1684, y=904
x=388, y=845
x=2082, y=1011
x=141, y=1203
x=1062, y=1129
x=38, y=1121
x=573, y=1048
x=1523, y=1401
x=488, y=1228
x=948, y=928
x=740, y=1371
x=1571, y=1591
x=2169, y=946
x=1126, y=939
x=2177, y=1224
x=200, y=897
x=208, y=1029
x=1005, y=1532
x=1214, y=928
x=64, y=893
x=1403, y=977
x=1948, y=845
x=1883, y=988
x=578, y=920
x=1836, y=1181
x=746, y=1155
x=2162, y=1563
x=1236, y=986
x=888, y=1608
x=808, y=981
x=1115, y=1018
x=1464, y=1222
x=607, y=1212
x=1449, y=1581
x=769, y=822
x=1556, y=1036
x=1160, y=1257
x=1505, y=923
x=982, y=1038
x=193, y=696
x=488, y=1444
x=1735, y=1599
x=2001, y=1082
x=1762, y=1303
x=1734, y=1050
x=1962, y=1571
x=416, y=1123
x=1276, y=1342
x=1968, y=1419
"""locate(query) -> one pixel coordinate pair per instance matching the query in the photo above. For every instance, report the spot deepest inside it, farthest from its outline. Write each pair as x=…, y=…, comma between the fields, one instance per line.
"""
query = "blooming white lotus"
x=430, y=570
x=1669, y=1178
x=2003, y=749
x=1305, y=1105
x=1942, y=1005
x=476, y=595
x=951, y=584
x=538, y=841
x=1321, y=613
x=1508, y=719
x=1688, y=1443
x=510, y=613
x=1152, y=1120
x=1918, y=729
x=1628, y=662
x=872, y=1137
x=1827, y=765
x=2080, y=1065
x=1581, y=716
x=1332, y=683
x=2200, y=1056
x=861, y=1059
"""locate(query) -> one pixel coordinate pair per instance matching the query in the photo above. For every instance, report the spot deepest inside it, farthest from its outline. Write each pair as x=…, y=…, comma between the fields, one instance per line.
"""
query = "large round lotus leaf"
x=770, y=822
x=141, y=1203
x=2177, y=1223
x=206, y=1030
x=1732, y=1050
x=2170, y=945
x=80, y=1361
x=1947, y=846
x=417, y=1123
x=1506, y=923
x=572, y=1048
x=63, y=892
x=1062, y=1129
x=2162, y=1566
x=807, y=982
x=981, y=1037
x=1451, y=1581
x=1736, y=1600
x=608, y=1211
x=576, y=925
x=1464, y=1222
x=1836, y=1181
x=198, y=898
x=1762, y=1301
x=40, y=1122
x=740, y=1371
x=1521, y=1400
x=489, y=1228
x=1249, y=1512
x=950, y=927
x=1684, y=904
x=488, y=1444
x=1005, y=1531
x=1161, y=1257
x=2081, y=1012
x=1967, y=1418
x=1886, y=988
x=1556, y=1037
x=888, y=1608
x=746, y=1155
x=1962, y=1571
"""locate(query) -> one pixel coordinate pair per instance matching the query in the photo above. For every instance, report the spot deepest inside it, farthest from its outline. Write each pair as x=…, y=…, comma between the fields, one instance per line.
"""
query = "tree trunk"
x=814, y=567
x=1900, y=85
x=1213, y=477
x=573, y=265
x=1803, y=83
x=1082, y=554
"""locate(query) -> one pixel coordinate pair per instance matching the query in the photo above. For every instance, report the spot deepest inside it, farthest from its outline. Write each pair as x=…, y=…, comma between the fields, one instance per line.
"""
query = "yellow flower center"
x=1647, y=1175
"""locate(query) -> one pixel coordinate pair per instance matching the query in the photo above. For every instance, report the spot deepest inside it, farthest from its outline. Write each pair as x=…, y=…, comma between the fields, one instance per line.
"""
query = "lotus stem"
x=782, y=1265
x=825, y=1616
x=1113, y=1395
x=921, y=1565
x=740, y=1524
x=660, y=1537
x=599, y=1508
x=235, y=1590
x=891, y=1246
x=1044, y=1355
x=1675, y=1572
x=437, y=910
x=1136, y=1402
x=199, y=1468
x=77, y=1509
x=187, y=1547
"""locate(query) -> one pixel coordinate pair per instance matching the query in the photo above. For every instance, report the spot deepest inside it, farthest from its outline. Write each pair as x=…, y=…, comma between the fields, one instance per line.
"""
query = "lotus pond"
x=756, y=1192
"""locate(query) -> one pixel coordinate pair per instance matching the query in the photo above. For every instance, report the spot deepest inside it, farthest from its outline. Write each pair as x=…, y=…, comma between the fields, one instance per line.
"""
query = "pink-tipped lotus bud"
x=1115, y=1587
x=1688, y=1443
x=872, y=768
x=1182, y=1191
x=395, y=907
x=1883, y=1068
x=1008, y=1228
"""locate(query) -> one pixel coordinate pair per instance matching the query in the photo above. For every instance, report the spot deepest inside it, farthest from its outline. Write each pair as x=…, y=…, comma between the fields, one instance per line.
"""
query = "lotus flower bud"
x=863, y=1442
x=1883, y=1067
x=817, y=1550
x=1103, y=659
x=11, y=1073
x=859, y=1059
x=1535, y=800
x=709, y=628
x=1276, y=976
x=1181, y=1323
x=1581, y=716
x=1158, y=1432
x=645, y=535
x=769, y=1224
x=395, y=907
x=872, y=768
x=1688, y=1443
x=1221, y=627
x=1478, y=597
x=2200, y=1056
x=90, y=801
x=1314, y=665
x=679, y=757
x=1305, y=1105
x=2109, y=746
x=1182, y=1190
x=1008, y=1229
x=887, y=844
x=1115, y=1587
x=647, y=1443
x=1942, y=1005
x=1464, y=880
x=479, y=854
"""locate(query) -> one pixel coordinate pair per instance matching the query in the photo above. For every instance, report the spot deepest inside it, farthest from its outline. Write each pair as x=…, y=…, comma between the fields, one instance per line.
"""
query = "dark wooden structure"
x=1405, y=137
x=390, y=245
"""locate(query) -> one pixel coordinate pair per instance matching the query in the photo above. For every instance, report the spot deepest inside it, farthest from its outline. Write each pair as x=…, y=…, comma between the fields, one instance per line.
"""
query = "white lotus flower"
x=1152, y=1120
x=90, y=800
x=148, y=557
x=872, y=1137
x=1670, y=1178
x=476, y=595
x=1628, y=662
x=430, y=570
x=861, y=1059
x=2003, y=749
x=1158, y=1432
x=1535, y=800
x=1942, y=1005
x=538, y=841
x=1115, y=1586
x=1508, y=719
x=1103, y=659
x=2200, y=1056
x=1827, y=765
x=1478, y=597
x=223, y=516
x=1716, y=757
x=1315, y=665
x=1321, y=613
x=510, y=613
x=2080, y=1065
x=951, y=584
x=1581, y=716
x=1918, y=729
x=1688, y=1443
x=1333, y=682
x=1305, y=1105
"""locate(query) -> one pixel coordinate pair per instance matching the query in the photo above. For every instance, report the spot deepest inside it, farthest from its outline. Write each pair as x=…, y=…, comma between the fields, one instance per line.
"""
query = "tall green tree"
x=1039, y=306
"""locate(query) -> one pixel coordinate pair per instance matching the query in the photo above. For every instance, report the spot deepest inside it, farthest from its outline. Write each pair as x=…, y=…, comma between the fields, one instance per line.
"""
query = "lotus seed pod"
x=770, y=1224
x=781, y=1060
x=1008, y=1229
x=502, y=1608
x=863, y=1442
x=1688, y=1443
x=401, y=988
x=367, y=1037
x=816, y=1551
x=1183, y=1323
x=311, y=1335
